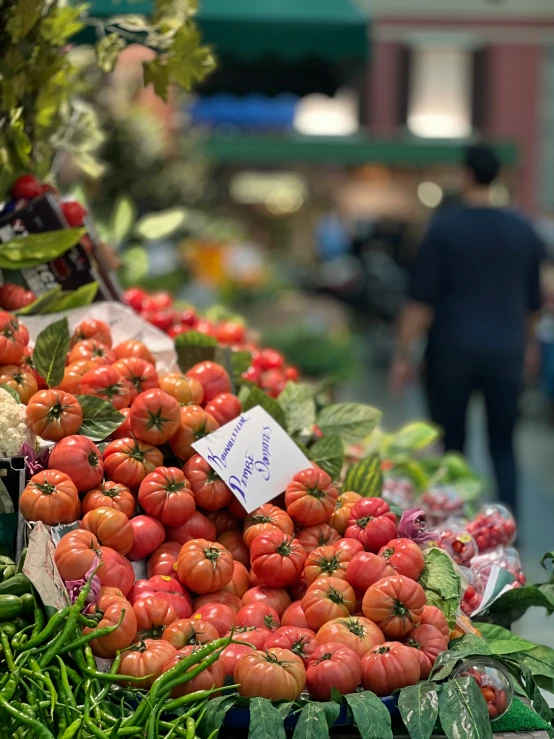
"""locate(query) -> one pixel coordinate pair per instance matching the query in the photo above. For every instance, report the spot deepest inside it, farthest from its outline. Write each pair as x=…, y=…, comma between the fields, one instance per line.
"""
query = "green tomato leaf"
x=298, y=404
x=365, y=477
x=419, y=708
x=265, y=720
x=328, y=453
x=502, y=641
x=214, y=716
x=258, y=397
x=463, y=710
x=413, y=436
x=33, y=249
x=100, y=418
x=195, y=338
x=314, y=720
x=441, y=583
x=352, y=422
x=371, y=715
x=50, y=351
x=12, y=392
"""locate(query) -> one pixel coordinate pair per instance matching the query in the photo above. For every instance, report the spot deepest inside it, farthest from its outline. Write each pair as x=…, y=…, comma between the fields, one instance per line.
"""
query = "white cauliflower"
x=14, y=430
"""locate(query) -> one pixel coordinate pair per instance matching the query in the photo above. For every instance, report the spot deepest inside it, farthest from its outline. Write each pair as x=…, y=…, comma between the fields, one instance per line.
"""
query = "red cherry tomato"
x=74, y=213
x=26, y=187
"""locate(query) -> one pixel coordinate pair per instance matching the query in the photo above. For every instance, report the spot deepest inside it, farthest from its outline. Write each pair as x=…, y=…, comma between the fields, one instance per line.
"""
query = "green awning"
x=284, y=150
x=290, y=29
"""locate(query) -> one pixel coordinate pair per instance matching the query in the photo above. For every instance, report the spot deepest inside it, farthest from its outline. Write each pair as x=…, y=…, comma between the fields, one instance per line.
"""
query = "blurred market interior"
x=294, y=186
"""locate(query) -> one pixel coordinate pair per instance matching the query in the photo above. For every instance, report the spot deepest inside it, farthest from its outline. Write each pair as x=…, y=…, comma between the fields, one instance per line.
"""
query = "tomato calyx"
x=315, y=493
x=285, y=548
x=156, y=420
x=387, y=553
x=381, y=650
x=413, y=643
x=325, y=657
x=329, y=565
x=270, y=623
x=56, y=411
x=111, y=492
x=212, y=555
x=299, y=647
x=363, y=522
x=354, y=627
x=399, y=609
x=260, y=519
x=45, y=488
x=136, y=453
x=111, y=391
x=335, y=596
x=155, y=632
x=93, y=459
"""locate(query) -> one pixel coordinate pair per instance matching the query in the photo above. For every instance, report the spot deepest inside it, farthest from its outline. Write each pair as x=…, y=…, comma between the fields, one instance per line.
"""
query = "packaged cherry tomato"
x=473, y=593
x=493, y=680
x=398, y=490
x=505, y=557
x=440, y=504
x=492, y=527
x=454, y=539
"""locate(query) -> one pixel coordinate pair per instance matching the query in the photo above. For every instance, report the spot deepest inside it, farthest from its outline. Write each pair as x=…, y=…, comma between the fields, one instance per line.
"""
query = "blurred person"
x=475, y=294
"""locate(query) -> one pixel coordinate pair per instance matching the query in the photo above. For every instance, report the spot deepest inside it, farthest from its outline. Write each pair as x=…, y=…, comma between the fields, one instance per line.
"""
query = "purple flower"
x=34, y=462
x=74, y=587
x=412, y=526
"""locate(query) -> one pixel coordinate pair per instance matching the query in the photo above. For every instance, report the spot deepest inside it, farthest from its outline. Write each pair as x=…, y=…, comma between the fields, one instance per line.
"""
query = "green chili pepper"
x=8, y=656
x=72, y=729
x=9, y=689
x=191, y=726
x=37, y=639
x=41, y=732
x=89, y=672
x=98, y=634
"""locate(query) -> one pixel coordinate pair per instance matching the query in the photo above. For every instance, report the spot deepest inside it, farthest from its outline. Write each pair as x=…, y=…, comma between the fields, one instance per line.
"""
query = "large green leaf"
x=468, y=646
x=416, y=435
x=42, y=303
x=512, y=604
x=365, y=477
x=33, y=249
x=419, y=708
x=160, y=225
x=540, y=660
x=502, y=641
x=298, y=404
x=72, y=299
x=315, y=720
x=463, y=710
x=258, y=397
x=50, y=351
x=352, y=422
x=100, y=418
x=328, y=453
x=265, y=720
x=370, y=714
x=441, y=583
x=216, y=710
x=541, y=706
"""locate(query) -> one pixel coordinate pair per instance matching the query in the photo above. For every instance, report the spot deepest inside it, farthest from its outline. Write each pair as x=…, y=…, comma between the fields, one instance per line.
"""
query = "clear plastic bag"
x=454, y=539
x=505, y=557
x=494, y=526
x=440, y=504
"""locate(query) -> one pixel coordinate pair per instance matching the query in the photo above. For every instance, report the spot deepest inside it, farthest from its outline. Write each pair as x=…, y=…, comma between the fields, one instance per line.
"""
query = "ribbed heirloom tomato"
x=194, y=424
x=395, y=604
x=197, y=527
x=189, y=631
x=148, y=657
x=222, y=617
x=311, y=497
x=20, y=380
x=277, y=598
x=224, y=408
x=51, y=497
x=161, y=561
x=139, y=373
x=339, y=518
x=165, y=494
x=153, y=616
x=276, y=674
x=204, y=566
x=53, y=414
x=231, y=656
x=210, y=492
x=149, y=534
x=12, y=339
x=80, y=459
x=73, y=373
x=134, y=348
x=111, y=527
x=110, y=495
x=108, y=384
x=128, y=461
x=213, y=378
x=322, y=535
x=219, y=596
x=389, y=667
x=352, y=546
x=109, y=610
x=294, y=616
x=277, y=559
x=240, y=581
x=330, y=666
x=258, y=614
x=75, y=555
x=166, y=588
x=117, y=571
x=365, y=569
x=91, y=349
x=428, y=643
x=223, y=520
x=326, y=599
x=232, y=541
x=372, y=523
x=404, y=556
x=300, y=641
x=184, y=389
x=92, y=328
x=264, y=519
x=154, y=416
x=326, y=562
x=356, y=632
x=212, y=677
x=433, y=616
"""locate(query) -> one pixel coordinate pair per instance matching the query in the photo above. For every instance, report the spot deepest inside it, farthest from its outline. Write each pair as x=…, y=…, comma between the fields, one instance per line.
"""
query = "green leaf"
x=541, y=706
x=328, y=453
x=161, y=225
x=108, y=50
x=336, y=695
x=188, y=62
x=22, y=16
x=100, y=418
x=352, y=422
x=298, y=404
x=157, y=73
x=413, y=470
x=441, y=583
x=121, y=220
x=365, y=477
x=513, y=604
x=195, y=338
x=540, y=660
x=33, y=249
x=371, y=715
x=216, y=710
x=314, y=720
x=61, y=23
x=463, y=710
x=240, y=361
x=285, y=708
x=78, y=298
x=12, y=392
x=41, y=304
x=419, y=708
x=50, y=351
x=470, y=644
x=258, y=397
x=416, y=435
x=548, y=557
x=265, y=720
x=502, y=641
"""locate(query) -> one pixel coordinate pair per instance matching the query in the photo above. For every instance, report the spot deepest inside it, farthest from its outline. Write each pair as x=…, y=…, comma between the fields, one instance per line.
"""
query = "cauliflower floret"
x=14, y=430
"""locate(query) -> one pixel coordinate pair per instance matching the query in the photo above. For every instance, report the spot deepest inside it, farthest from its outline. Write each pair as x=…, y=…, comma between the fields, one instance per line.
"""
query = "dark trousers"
x=452, y=378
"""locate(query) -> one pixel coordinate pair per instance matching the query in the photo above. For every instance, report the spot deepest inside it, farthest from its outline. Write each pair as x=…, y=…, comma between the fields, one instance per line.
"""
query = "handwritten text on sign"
x=254, y=456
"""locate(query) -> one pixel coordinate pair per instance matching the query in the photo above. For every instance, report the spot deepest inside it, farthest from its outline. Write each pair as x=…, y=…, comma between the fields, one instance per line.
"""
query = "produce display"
x=181, y=607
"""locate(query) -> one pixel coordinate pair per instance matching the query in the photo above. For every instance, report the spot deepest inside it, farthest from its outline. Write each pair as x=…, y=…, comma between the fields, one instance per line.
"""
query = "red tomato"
x=224, y=408
x=14, y=297
x=80, y=459
x=311, y=497
x=153, y=615
x=231, y=656
x=109, y=609
x=352, y=546
x=28, y=363
x=404, y=556
x=236, y=509
x=75, y=555
x=165, y=494
x=162, y=561
x=212, y=677
x=18, y=378
x=162, y=319
x=51, y=497
x=221, y=519
x=204, y=566
x=240, y=581
x=333, y=665
x=258, y=614
x=326, y=599
x=111, y=527
x=314, y=537
x=134, y=348
x=110, y=495
x=158, y=300
x=326, y=562
x=26, y=187
x=433, y=616
x=73, y=374
x=255, y=635
x=232, y=541
x=134, y=297
x=74, y=213
x=213, y=378
x=189, y=631
x=252, y=374
x=124, y=430
x=277, y=560
x=299, y=589
x=91, y=328
x=197, y=527
x=119, y=571
x=395, y=604
x=277, y=674
x=268, y=359
x=273, y=382
x=146, y=658
x=365, y=569
x=194, y=424
x=428, y=643
x=138, y=372
x=166, y=588
x=184, y=389
x=210, y=492
x=356, y=632
x=188, y=317
x=345, y=502
x=108, y=384
x=292, y=373
x=53, y=414
x=149, y=535
x=265, y=519
x=230, y=332
x=389, y=667
x=220, y=596
x=128, y=461
x=277, y=598
x=219, y=615
x=294, y=616
x=300, y=641
x=12, y=339
x=372, y=523
x=154, y=416
x=91, y=349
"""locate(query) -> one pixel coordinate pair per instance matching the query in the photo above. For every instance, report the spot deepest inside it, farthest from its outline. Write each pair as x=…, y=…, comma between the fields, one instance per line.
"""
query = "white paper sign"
x=254, y=455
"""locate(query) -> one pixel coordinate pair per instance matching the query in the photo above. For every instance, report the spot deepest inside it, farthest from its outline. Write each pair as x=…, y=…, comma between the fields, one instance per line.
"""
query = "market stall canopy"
x=289, y=29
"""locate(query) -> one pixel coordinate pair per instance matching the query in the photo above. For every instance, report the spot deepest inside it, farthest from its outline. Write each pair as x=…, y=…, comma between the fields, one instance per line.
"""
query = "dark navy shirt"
x=479, y=270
